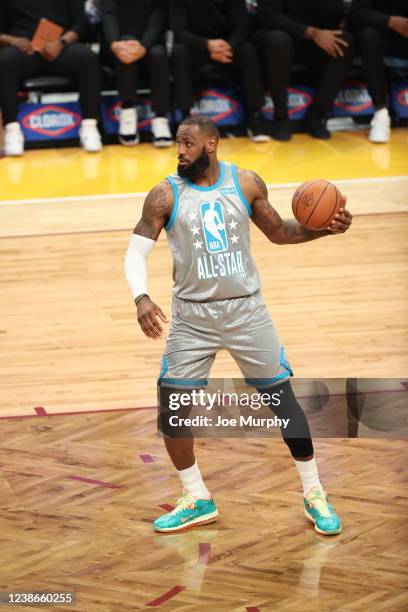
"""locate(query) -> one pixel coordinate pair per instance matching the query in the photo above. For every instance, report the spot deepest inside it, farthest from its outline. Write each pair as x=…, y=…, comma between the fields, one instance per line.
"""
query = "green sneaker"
x=188, y=512
x=319, y=510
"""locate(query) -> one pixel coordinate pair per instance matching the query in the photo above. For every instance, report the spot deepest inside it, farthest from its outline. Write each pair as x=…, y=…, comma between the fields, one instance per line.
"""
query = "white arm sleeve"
x=135, y=263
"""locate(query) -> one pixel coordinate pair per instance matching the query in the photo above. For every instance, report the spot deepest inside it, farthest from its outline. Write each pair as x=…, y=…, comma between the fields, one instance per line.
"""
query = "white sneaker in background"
x=13, y=139
x=161, y=132
x=128, y=132
x=380, y=130
x=89, y=136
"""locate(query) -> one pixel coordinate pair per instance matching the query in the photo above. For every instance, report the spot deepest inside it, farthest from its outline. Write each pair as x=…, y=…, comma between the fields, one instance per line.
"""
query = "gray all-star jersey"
x=208, y=233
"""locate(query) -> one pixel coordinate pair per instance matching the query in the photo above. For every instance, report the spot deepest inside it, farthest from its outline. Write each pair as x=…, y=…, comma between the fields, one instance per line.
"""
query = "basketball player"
x=205, y=208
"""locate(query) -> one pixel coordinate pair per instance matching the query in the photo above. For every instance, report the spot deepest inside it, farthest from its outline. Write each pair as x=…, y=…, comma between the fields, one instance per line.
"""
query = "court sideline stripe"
x=142, y=194
x=130, y=229
x=74, y=412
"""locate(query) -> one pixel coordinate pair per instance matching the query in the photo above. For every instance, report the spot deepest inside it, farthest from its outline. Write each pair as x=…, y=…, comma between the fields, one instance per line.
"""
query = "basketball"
x=315, y=204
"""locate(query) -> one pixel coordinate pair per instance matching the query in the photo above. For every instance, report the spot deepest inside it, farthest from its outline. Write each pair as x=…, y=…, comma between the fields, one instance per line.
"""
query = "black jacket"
x=196, y=21
x=377, y=12
x=21, y=17
x=295, y=16
x=141, y=19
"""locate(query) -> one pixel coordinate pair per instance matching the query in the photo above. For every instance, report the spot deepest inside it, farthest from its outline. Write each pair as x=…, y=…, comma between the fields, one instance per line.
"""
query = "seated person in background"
x=304, y=32
x=216, y=31
x=93, y=21
x=381, y=29
x=134, y=32
x=65, y=57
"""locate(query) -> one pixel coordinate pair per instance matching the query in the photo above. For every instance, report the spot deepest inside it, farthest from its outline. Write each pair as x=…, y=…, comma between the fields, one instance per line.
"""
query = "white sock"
x=88, y=122
x=193, y=483
x=308, y=474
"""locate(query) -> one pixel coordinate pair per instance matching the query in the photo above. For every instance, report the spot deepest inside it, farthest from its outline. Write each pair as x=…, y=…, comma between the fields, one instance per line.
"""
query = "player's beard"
x=195, y=170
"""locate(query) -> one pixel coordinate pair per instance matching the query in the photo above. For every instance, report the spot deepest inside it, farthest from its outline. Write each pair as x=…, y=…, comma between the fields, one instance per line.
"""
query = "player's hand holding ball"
x=342, y=220
x=319, y=205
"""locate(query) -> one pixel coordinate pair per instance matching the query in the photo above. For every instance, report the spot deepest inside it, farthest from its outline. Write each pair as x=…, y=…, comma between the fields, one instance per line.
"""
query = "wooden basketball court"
x=83, y=473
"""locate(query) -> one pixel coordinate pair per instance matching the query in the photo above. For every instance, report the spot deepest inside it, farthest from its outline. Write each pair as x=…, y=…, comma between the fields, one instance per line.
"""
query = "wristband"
x=140, y=297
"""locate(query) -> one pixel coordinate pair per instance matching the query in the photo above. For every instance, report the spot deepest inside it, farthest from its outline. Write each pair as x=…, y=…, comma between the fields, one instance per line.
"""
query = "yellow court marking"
x=69, y=172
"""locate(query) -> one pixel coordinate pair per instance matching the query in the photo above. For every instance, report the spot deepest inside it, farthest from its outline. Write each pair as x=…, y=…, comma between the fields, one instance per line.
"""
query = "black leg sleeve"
x=297, y=433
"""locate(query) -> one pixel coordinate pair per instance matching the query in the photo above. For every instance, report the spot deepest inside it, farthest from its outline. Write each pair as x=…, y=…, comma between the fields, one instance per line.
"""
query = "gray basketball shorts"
x=242, y=326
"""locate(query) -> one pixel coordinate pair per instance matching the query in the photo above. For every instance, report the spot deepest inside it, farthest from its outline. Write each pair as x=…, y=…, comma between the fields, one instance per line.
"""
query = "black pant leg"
x=82, y=65
x=185, y=62
x=277, y=49
x=371, y=42
x=159, y=75
x=14, y=67
x=332, y=70
x=127, y=78
x=396, y=45
x=247, y=59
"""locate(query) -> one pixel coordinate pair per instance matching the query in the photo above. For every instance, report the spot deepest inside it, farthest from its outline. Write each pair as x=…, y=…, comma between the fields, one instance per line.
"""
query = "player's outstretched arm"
x=276, y=229
x=156, y=210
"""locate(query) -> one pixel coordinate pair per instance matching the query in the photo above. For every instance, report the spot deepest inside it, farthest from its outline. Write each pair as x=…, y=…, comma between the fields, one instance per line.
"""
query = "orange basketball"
x=315, y=204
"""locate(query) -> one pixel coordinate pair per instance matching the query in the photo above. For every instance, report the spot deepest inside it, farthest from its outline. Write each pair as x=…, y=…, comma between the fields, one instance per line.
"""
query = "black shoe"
x=315, y=124
x=256, y=128
x=281, y=130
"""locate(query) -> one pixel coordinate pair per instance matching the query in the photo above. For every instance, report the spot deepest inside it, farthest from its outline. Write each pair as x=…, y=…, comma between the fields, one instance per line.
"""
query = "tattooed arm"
x=157, y=209
x=276, y=229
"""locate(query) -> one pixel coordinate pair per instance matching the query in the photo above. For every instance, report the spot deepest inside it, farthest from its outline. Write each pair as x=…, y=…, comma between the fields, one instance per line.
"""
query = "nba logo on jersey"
x=213, y=222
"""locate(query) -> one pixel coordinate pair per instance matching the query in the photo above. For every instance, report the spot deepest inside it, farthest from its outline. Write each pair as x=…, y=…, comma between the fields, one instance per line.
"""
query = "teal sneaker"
x=319, y=510
x=188, y=512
